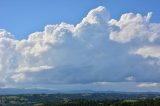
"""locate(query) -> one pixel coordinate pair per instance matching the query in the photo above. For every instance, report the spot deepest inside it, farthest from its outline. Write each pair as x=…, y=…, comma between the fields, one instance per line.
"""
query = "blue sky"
x=22, y=17
x=79, y=44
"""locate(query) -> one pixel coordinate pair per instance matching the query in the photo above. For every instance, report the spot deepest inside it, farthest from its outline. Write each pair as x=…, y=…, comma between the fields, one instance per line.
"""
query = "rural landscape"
x=82, y=99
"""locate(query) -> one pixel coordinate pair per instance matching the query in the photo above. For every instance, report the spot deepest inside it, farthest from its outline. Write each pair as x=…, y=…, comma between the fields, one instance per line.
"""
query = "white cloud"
x=148, y=85
x=149, y=51
x=47, y=52
x=33, y=69
x=134, y=26
x=130, y=78
x=5, y=34
x=101, y=83
x=85, y=53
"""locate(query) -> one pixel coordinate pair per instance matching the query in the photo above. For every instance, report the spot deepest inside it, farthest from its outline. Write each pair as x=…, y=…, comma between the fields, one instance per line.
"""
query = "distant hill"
x=15, y=91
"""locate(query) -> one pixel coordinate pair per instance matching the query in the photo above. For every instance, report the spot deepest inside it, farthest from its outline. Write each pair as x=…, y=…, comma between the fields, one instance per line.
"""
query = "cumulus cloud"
x=96, y=50
x=134, y=26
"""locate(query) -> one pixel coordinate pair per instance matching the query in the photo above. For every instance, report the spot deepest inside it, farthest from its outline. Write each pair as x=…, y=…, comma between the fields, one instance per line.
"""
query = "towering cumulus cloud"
x=98, y=49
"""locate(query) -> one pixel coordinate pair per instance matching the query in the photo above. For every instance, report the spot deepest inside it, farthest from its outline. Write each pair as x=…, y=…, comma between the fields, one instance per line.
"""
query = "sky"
x=77, y=44
x=22, y=17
